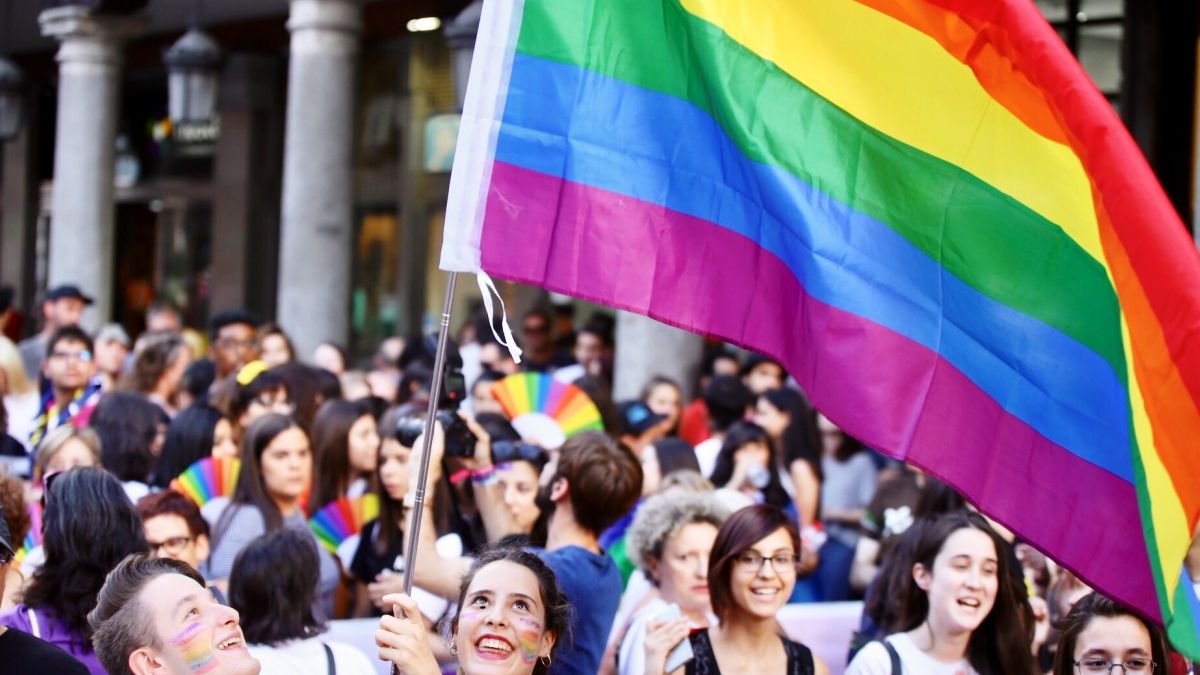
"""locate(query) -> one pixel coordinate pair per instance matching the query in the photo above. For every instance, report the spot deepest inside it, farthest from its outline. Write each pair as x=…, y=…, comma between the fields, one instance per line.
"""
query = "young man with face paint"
x=155, y=617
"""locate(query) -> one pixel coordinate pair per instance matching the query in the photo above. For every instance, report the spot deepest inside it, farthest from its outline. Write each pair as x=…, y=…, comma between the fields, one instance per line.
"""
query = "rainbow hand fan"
x=544, y=410
x=338, y=521
x=208, y=479
x=33, y=538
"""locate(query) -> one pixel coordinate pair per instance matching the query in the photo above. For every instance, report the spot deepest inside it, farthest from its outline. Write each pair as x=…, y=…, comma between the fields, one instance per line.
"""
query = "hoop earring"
x=545, y=660
x=453, y=647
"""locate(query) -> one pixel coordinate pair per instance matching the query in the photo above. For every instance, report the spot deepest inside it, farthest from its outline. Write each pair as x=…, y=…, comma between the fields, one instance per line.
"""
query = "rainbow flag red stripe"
x=924, y=208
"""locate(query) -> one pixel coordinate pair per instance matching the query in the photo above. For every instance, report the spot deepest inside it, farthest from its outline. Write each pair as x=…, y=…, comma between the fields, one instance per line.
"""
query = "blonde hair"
x=55, y=440
x=14, y=369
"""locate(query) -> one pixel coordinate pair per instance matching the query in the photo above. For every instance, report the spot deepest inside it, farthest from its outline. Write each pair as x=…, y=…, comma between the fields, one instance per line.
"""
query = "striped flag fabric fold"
x=923, y=208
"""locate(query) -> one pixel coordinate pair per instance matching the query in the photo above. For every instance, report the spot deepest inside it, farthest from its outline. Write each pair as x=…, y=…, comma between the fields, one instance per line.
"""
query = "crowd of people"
x=670, y=542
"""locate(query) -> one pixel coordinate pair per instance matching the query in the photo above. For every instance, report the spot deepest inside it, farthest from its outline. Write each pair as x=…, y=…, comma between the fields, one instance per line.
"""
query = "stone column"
x=316, y=232
x=646, y=348
x=82, y=211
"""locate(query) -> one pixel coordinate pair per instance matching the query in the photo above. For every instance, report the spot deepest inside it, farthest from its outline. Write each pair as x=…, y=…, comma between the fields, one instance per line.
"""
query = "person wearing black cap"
x=21, y=652
x=62, y=306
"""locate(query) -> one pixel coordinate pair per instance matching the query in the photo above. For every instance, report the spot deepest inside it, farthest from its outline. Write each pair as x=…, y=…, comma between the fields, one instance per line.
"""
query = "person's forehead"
x=168, y=524
x=767, y=368
x=163, y=594
x=235, y=329
x=1114, y=634
x=504, y=577
x=70, y=344
x=968, y=541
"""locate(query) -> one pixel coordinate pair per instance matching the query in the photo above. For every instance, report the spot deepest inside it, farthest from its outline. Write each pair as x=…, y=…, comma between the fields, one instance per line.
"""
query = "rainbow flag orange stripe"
x=923, y=208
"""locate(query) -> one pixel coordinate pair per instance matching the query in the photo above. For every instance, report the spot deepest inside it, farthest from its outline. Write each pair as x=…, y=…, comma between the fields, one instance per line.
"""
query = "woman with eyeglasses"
x=1099, y=635
x=962, y=611
x=751, y=573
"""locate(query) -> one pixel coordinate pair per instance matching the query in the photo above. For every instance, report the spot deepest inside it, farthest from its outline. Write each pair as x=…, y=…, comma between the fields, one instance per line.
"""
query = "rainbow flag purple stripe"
x=922, y=208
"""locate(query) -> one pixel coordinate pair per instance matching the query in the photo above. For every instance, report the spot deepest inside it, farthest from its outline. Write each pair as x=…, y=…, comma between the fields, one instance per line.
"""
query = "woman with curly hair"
x=89, y=526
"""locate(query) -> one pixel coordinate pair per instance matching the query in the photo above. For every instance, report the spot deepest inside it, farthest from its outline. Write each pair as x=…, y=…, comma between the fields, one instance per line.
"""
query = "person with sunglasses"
x=1099, y=635
x=751, y=574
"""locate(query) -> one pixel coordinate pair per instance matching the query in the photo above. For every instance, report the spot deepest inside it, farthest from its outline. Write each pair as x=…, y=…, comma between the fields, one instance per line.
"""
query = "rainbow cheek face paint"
x=529, y=636
x=195, y=644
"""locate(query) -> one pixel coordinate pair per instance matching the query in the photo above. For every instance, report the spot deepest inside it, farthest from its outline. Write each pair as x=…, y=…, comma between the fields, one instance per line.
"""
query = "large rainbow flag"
x=924, y=208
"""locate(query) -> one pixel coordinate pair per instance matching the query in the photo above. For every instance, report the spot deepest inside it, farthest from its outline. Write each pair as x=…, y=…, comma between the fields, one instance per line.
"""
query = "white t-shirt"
x=706, y=455
x=307, y=657
x=874, y=660
x=631, y=657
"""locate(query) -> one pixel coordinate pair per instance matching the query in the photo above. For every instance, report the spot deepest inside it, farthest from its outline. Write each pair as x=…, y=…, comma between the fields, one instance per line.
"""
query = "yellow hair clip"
x=250, y=372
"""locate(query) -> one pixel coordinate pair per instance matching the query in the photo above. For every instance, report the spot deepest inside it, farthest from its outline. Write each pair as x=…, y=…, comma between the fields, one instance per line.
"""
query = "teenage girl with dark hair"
x=961, y=611
x=276, y=471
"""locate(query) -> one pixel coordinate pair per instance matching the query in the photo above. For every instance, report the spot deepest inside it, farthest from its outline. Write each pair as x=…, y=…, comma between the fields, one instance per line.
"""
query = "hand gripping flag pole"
x=435, y=392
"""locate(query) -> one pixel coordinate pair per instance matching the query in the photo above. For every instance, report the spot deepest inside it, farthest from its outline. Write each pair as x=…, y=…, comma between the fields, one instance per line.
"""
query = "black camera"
x=460, y=442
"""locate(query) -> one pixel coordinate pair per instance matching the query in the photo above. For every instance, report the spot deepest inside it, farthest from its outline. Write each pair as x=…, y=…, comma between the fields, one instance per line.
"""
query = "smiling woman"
x=751, y=574
x=511, y=617
x=962, y=611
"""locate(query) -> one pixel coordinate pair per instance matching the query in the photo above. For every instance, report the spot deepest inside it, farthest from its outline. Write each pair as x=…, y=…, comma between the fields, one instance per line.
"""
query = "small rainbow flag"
x=208, y=478
x=337, y=521
x=924, y=208
x=33, y=538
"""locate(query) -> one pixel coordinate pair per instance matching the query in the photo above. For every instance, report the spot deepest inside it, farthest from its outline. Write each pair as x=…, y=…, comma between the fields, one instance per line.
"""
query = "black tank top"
x=799, y=657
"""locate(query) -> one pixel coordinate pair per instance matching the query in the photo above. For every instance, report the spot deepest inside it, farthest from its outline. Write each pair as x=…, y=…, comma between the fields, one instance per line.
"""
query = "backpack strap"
x=894, y=656
x=330, y=666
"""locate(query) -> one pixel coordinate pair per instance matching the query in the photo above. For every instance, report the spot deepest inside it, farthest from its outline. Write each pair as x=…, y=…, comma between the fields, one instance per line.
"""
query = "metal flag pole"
x=435, y=393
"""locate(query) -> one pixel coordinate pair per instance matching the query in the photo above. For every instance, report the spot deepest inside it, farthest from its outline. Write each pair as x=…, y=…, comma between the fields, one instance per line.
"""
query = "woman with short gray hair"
x=670, y=540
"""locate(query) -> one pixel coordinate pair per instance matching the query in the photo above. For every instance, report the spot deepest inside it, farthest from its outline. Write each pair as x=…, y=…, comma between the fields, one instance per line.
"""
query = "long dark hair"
x=800, y=440
x=127, y=424
x=331, y=450
x=738, y=435
x=250, y=489
x=1000, y=644
x=189, y=439
x=1095, y=605
x=558, y=607
x=89, y=526
x=273, y=584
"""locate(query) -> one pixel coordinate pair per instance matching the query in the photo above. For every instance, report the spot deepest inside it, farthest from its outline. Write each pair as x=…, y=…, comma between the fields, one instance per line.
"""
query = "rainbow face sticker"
x=529, y=638
x=195, y=644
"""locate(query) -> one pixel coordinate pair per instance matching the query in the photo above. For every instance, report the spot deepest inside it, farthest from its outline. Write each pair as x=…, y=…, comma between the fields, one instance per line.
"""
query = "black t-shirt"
x=368, y=562
x=21, y=653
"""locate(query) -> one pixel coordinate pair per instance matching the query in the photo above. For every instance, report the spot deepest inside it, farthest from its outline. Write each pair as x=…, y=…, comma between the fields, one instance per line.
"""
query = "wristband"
x=483, y=477
x=460, y=476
